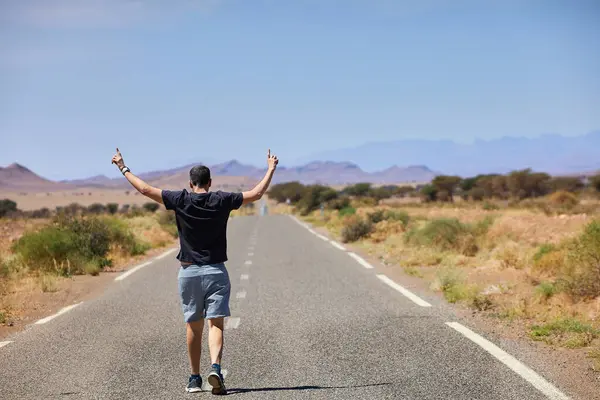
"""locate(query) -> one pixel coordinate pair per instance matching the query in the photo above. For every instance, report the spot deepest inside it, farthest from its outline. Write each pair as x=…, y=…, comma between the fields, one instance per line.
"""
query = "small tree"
x=565, y=183
x=429, y=193
x=446, y=185
x=112, y=208
x=7, y=206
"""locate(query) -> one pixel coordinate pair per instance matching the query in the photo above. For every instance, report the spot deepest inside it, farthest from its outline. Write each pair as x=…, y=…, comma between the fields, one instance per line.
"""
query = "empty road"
x=308, y=321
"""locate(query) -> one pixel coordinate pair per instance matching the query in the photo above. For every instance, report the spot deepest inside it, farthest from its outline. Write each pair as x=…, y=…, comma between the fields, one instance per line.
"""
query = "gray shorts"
x=204, y=291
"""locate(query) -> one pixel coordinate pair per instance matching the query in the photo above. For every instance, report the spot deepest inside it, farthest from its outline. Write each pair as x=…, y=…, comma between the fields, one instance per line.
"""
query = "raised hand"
x=272, y=160
x=118, y=159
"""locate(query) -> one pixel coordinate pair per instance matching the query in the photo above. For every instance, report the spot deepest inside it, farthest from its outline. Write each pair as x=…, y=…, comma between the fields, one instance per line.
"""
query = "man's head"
x=200, y=178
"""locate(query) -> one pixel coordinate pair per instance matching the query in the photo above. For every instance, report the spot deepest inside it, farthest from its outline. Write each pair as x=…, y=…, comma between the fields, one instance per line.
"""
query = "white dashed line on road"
x=360, y=260
x=2, y=344
x=132, y=270
x=411, y=296
x=244, y=277
x=251, y=248
x=232, y=323
x=249, y=262
x=241, y=295
x=517, y=366
x=336, y=244
x=250, y=254
x=62, y=311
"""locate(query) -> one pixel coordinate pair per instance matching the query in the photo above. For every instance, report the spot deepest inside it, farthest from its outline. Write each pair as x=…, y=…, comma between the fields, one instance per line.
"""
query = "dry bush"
x=355, y=228
x=563, y=199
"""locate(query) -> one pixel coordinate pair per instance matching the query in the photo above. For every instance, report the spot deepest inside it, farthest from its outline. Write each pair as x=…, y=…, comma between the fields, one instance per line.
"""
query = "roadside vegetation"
x=49, y=247
x=522, y=249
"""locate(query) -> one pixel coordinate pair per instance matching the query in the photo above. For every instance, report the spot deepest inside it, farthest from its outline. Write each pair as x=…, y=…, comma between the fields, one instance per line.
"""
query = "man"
x=204, y=285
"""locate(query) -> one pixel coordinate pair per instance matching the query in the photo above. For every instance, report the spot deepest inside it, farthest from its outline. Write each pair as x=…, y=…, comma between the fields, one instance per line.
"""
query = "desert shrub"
x=567, y=332
x=72, y=209
x=135, y=211
x=96, y=208
x=121, y=236
x=125, y=208
x=546, y=290
x=376, y=216
x=451, y=282
x=112, y=208
x=7, y=206
x=355, y=229
x=583, y=272
x=565, y=183
x=151, y=206
x=338, y=203
x=168, y=222
x=347, y=211
x=49, y=248
x=441, y=233
x=41, y=213
x=563, y=199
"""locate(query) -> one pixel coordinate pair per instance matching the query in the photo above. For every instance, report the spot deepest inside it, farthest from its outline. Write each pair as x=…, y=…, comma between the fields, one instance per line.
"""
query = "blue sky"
x=173, y=82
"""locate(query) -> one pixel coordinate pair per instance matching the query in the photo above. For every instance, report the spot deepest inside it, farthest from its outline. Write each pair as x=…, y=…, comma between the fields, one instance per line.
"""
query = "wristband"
x=125, y=169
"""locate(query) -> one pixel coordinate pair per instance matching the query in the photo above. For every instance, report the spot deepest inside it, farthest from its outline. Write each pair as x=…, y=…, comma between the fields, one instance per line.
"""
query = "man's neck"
x=199, y=190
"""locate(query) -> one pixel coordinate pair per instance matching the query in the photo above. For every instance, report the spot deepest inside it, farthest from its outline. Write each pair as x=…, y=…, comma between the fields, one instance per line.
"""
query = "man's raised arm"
x=141, y=186
x=260, y=189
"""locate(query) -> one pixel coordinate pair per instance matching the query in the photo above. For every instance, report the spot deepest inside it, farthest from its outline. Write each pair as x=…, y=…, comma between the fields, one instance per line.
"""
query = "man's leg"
x=194, y=344
x=215, y=339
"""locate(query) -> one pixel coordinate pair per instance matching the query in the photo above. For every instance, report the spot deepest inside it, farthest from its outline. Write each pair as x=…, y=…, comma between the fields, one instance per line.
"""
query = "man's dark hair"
x=200, y=175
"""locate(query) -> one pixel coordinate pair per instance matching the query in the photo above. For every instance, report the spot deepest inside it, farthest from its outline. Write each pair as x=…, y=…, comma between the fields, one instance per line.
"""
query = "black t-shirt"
x=202, y=223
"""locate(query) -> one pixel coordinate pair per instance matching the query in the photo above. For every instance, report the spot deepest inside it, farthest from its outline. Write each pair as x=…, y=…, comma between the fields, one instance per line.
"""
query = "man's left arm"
x=141, y=186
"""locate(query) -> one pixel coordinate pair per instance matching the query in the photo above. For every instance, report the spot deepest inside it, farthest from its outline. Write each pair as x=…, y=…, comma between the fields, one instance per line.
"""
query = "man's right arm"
x=260, y=189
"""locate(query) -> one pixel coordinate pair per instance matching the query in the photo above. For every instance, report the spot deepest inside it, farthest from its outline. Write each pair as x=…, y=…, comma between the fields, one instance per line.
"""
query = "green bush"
x=6, y=207
x=401, y=216
x=112, y=208
x=544, y=249
x=441, y=233
x=356, y=229
x=583, y=275
x=339, y=203
x=376, y=216
x=41, y=213
x=50, y=249
x=151, y=206
x=347, y=211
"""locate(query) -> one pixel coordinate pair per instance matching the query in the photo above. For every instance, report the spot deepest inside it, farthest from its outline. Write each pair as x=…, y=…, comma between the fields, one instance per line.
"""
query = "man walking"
x=204, y=285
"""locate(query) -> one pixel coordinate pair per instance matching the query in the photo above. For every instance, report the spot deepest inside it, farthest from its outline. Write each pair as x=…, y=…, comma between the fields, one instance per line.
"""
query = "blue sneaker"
x=194, y=385
x=215, y=379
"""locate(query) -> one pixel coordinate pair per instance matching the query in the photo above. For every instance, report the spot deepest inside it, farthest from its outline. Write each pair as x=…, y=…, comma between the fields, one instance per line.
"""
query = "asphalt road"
x=308, y=321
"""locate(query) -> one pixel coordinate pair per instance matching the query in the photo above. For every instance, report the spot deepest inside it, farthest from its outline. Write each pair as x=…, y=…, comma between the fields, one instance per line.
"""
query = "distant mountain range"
x=554, y=154
x=228, y=175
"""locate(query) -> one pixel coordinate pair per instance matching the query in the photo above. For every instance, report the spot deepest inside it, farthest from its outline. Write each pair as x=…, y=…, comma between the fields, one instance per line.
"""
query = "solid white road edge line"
x=232, y=323
x=518, y=367
x=241, y=295
x=336, y=244
x=325, y=238
x=163, y=255
x=410, y=295
x=360, y=260
x=2, y=344
x=60, y=312
x=132, y=270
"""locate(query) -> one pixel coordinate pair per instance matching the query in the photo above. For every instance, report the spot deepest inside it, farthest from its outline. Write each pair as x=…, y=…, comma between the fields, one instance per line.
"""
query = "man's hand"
x=272, y=160
x=118, y=159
